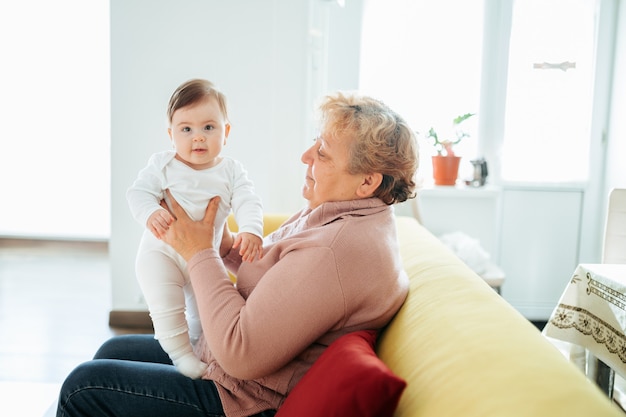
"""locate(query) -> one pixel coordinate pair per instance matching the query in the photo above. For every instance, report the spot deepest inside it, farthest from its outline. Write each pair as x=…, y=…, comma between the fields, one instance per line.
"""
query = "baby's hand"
x=250, y=245
x=159, y=222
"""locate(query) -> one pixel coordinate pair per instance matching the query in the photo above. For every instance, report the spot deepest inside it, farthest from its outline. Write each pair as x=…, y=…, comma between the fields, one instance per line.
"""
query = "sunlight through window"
x=54, y=163
x=549, y=94
x=423, y=58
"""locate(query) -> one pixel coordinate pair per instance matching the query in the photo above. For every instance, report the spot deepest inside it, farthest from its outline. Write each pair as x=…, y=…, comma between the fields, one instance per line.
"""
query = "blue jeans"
x=132, y=376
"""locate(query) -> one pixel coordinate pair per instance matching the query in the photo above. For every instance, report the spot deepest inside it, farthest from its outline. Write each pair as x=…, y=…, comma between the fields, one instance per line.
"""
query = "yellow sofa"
x=465, y=351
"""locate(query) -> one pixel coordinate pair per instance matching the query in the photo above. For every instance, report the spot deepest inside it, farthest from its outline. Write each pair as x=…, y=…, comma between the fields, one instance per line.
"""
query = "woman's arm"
x=298, y=300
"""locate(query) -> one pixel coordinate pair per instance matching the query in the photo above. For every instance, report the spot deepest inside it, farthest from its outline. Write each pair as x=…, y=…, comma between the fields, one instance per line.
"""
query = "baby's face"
x=199, y=132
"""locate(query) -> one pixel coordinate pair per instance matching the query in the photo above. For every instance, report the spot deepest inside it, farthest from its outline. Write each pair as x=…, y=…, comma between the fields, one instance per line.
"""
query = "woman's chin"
x=307, y=197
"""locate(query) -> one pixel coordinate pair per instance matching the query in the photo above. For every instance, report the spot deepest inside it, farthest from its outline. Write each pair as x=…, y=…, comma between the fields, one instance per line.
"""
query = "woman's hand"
x=186, y=236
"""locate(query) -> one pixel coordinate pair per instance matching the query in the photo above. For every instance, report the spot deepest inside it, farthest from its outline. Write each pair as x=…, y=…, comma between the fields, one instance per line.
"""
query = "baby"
x=194, y=172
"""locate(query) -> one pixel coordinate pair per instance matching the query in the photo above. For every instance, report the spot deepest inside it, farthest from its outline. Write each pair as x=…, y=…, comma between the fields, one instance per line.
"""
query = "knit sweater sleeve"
x=254, y=337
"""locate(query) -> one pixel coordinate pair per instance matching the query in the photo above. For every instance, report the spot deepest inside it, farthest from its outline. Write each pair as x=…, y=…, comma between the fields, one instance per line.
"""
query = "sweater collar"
x=334, y=210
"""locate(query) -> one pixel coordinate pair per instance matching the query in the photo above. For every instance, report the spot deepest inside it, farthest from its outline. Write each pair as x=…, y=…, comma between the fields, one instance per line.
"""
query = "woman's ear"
x=369, y=184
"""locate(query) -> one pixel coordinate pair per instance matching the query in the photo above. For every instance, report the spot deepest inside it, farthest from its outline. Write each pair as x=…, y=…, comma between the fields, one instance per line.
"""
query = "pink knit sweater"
x=324, y=273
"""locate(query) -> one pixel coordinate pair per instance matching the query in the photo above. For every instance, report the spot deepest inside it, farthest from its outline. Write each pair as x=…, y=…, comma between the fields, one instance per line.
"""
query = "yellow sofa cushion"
x=271, y=222
x=464, y=351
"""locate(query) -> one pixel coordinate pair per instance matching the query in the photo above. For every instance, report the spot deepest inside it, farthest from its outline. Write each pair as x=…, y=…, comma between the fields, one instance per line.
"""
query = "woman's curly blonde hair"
x=382, y=142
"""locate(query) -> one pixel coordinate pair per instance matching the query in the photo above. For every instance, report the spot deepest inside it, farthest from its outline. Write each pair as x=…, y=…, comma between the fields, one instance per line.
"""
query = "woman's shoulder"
x=362, y=213
x=372, y=228
x=332, y=224
x=358, y=222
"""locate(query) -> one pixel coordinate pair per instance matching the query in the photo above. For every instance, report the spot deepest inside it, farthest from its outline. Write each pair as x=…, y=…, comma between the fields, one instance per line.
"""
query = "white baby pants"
x=164, y=281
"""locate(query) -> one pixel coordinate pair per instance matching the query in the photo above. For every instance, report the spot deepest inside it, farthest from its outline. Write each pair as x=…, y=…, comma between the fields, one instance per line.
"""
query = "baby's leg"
x=162, y=282
x=192, y=314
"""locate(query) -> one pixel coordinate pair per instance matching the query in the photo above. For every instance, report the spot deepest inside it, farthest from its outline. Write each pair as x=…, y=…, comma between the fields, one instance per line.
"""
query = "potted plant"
x=446, y=163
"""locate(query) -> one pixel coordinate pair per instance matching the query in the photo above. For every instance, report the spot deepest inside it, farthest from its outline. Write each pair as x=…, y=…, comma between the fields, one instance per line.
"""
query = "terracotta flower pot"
x=445, y=169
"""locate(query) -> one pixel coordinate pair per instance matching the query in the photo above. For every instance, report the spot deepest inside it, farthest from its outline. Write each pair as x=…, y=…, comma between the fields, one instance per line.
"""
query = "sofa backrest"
x=464, y=351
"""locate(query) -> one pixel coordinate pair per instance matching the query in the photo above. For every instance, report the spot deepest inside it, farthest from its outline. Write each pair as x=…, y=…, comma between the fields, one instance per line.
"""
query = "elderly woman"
x=331, y=269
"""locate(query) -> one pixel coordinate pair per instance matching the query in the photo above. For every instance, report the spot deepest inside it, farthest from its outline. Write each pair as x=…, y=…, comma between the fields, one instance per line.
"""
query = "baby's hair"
x=192, y=92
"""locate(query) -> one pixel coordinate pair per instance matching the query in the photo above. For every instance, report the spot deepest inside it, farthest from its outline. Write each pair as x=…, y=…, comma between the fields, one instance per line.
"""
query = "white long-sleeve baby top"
x=194, y=188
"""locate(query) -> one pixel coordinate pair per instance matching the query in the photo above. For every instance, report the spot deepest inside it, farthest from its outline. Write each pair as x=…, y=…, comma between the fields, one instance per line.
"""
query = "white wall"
x=258, y=53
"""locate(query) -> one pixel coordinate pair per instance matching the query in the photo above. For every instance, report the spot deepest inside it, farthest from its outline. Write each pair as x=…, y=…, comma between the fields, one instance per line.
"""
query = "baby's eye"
x=186, y=129
x=208, y=127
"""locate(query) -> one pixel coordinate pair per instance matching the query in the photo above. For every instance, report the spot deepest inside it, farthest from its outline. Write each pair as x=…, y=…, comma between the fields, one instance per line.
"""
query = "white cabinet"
x=539, y=247
x=473, y=211
x=531, y=233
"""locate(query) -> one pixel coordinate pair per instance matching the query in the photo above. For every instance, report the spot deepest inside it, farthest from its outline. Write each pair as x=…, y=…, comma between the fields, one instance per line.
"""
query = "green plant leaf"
x=459, y=119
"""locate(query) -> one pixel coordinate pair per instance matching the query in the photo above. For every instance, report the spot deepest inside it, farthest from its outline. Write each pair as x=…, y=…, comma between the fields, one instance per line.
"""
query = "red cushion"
x=348, y=379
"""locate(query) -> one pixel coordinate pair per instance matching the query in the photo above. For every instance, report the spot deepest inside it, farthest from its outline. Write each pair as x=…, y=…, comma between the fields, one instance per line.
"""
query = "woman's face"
x=327, y=177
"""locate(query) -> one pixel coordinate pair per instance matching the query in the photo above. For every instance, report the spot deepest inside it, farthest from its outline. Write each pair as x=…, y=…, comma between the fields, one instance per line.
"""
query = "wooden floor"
x=55, y=299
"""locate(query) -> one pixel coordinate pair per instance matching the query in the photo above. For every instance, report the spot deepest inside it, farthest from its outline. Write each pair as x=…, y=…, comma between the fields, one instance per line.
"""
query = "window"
x=549, y=93
x=423, y=58
x=54, y=163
